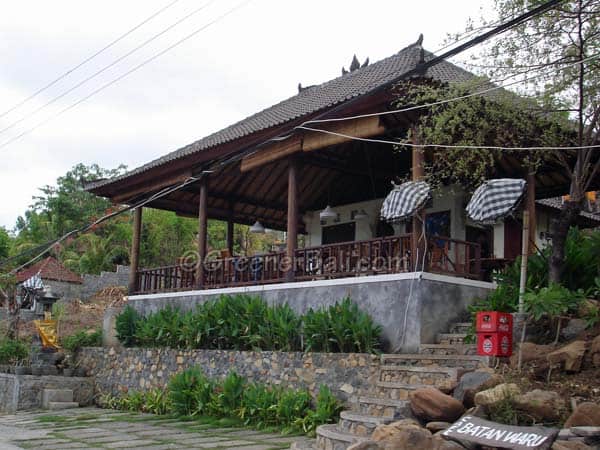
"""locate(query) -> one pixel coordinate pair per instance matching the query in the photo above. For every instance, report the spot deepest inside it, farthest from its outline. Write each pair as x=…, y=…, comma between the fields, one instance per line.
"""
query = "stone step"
x=447, y=349
x=429, y=375
x=461, y=361
x=451, y=338
x=461, y=327
x=360, y=424
x=384, y=407
x=396, y=391
x=329, y=437
x=61, y=405
x=56, y=395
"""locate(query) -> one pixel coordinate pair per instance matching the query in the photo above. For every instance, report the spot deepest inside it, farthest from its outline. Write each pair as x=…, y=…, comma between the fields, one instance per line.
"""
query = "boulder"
x=439, y=443
x=595, y=351
x=573, y=329
x=430, y=404
x=530, y=352
x=409, y=438
x=585, y=415
x=383, y=432
x=497, y=394
x=473, y=382
x=541, y=405
x=366, y=445
x=569, y=357
x=434, y=427
x=588, y=307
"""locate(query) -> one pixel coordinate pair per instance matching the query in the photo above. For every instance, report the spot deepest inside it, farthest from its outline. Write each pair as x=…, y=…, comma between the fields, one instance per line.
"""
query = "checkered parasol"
x=35, y=282
x=495, y=199
x=405, y=200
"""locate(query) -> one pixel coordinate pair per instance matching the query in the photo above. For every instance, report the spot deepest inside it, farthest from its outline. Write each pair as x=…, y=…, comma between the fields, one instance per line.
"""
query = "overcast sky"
x=245, y=62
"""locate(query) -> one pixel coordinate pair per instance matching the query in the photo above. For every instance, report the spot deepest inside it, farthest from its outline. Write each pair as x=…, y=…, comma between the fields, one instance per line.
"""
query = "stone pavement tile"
x=163, y=447
x=200, y=440
x=110, y=438
x=44, y=443
x=223, y=444
x=283, y=439
x=63, y=445
x=136, y=443
x=153, y=431
x=253, y=433
x=256, y=447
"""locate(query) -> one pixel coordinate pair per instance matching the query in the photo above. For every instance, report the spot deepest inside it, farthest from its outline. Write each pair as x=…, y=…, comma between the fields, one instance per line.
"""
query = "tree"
x=547, y=46
x=5, y=243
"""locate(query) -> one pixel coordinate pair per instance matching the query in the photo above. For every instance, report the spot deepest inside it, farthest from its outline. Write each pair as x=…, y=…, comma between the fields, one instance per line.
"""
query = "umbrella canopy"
x=495, y=199
x=35, y=282
x=405, y=200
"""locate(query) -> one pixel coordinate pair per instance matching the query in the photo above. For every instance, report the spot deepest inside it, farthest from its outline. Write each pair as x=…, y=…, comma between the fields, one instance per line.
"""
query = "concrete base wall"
x=412, y=308
x=21, y=392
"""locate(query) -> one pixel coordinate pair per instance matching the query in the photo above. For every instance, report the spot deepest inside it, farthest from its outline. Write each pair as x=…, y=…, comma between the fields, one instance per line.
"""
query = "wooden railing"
x=375, y=256
x=453, y=257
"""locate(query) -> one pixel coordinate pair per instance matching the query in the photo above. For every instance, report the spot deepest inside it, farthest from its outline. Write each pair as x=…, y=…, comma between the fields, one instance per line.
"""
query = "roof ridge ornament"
x=355, y=65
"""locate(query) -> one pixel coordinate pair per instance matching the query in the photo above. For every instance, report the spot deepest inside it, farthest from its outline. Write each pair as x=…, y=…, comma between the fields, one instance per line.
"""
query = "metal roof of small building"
x=314, y=99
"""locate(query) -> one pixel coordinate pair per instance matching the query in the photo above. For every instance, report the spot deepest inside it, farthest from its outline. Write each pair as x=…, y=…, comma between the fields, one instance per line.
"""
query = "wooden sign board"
x=492, y=434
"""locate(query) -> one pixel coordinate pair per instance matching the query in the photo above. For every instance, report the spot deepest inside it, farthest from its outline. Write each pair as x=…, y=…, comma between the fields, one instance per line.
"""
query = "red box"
x=494, y=344
x=493, y=322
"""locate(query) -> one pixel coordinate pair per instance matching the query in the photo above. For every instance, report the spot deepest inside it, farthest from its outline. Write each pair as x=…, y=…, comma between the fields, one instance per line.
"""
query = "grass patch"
x=53, y=418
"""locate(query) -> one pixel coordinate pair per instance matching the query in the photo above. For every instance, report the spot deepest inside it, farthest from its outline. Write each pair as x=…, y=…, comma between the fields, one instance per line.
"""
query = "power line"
x=105, y=68
x=469, y=147
x=129, y=72
x=89, y=58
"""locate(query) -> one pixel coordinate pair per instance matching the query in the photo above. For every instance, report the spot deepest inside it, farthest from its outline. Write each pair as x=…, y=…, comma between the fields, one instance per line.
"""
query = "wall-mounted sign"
x=492, y=434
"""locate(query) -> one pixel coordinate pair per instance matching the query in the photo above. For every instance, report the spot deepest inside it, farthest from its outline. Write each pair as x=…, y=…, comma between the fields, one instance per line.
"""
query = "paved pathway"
x=91, y=428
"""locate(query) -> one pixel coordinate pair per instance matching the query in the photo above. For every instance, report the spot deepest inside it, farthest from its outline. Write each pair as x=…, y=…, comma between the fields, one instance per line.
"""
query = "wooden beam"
x=151, y=186
x=134, y=257
x=202, y=232
x=292, y=215
x=362, y=128
x=271, y=152
x=313, y=140
x=418, y=222
x=230, y=236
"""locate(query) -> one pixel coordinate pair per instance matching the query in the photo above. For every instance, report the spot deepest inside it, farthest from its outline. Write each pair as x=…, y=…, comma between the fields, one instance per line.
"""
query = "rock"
x=430, y=404
x=366, y=445
x=409, y=438
x=434, y=427
x=497, y=394
x=541, y=405
x=586, y=431
x=587, y=307
x=587, y=414
x=383, y=432
x=439, y=443
x=573, y=329
x=473, y=382
x=595, y=351
x=570, y=356
x=530, y=352
x=570, y=445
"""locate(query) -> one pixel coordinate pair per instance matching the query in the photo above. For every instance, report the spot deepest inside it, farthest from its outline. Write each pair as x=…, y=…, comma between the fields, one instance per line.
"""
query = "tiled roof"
x=314, y=99
x=50, y=269
x=556, y=203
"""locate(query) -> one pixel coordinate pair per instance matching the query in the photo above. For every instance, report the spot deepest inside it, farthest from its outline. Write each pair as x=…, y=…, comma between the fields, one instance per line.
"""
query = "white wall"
x=446, y=199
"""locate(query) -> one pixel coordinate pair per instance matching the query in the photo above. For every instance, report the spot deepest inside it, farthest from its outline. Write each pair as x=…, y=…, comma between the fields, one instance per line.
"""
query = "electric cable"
x=88, y=59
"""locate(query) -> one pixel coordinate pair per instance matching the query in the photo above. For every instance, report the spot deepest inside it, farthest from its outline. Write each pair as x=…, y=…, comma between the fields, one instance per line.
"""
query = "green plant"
x=12, y=351
x=553, y=301
x=82, y=338
x=228, y=399
x=183, y=389
x=156, y=401
x=126, y=326
x=327, y=411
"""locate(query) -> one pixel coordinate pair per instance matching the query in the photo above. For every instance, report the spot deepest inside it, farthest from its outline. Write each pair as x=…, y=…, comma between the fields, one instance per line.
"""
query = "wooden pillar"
x=202, y=232
x=230, y=237
x=292, y=216
x=418, y=222
x=134, y=257
x=531, y=209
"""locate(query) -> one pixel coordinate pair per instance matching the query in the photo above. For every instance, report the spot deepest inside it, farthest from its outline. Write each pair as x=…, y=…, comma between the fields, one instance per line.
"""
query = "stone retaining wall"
x=19, y=392
x=348, y=375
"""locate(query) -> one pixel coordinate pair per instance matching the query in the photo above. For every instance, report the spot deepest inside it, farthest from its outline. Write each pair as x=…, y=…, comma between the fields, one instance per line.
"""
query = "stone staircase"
x=438, y=365
x=54, y=399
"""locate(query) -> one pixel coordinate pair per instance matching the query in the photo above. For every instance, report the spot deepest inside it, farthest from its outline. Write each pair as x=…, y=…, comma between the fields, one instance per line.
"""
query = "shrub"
x=82, y=338
x=126, y=326
x=183, y=391
x=342, y=327
x=554, y=300
x=13, y=351
x=327, y=411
